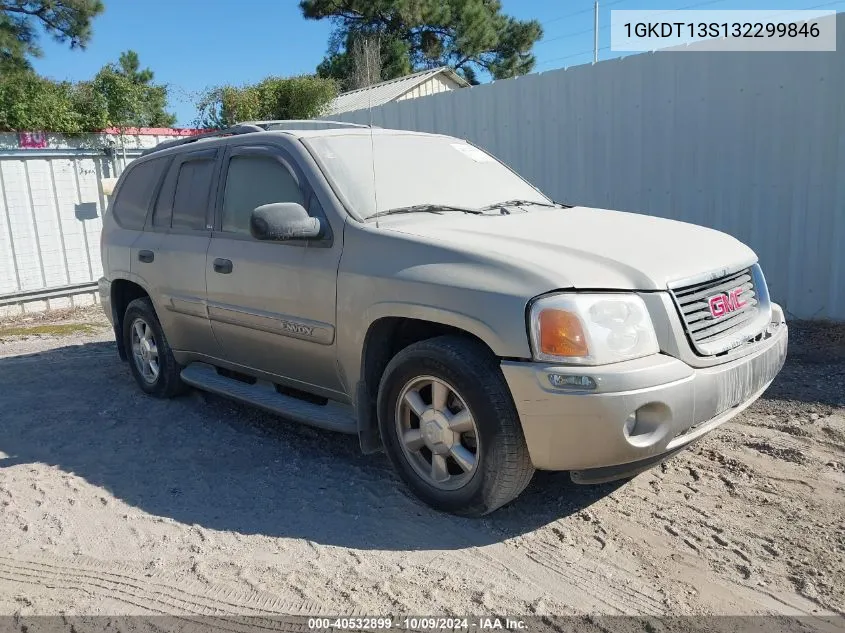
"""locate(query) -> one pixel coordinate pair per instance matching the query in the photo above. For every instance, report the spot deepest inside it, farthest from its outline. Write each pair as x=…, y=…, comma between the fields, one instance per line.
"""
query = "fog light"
x=571, y=382
x=648, y=424
x=630, y=424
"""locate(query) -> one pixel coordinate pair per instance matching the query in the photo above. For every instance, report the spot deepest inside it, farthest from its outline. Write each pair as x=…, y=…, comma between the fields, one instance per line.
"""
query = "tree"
x=468, y=35
x=30, y=102
x=302, y=97
x=365, y=62
x=120, y=95
x=66, y=20
x=131, y=97
x=361, y=59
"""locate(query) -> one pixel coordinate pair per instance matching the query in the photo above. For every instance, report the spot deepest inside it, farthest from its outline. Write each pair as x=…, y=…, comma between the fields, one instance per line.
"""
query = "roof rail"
x=294, y=124
x=248, y=127
x=241, y=128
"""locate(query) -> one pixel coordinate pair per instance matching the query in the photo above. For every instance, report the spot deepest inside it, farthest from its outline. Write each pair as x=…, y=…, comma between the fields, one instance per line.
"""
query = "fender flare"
x=458, y=320
x=365, y=406
x=117, y=319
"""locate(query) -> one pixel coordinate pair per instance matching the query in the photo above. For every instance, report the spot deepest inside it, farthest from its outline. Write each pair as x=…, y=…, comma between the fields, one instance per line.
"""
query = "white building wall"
x=438, y=83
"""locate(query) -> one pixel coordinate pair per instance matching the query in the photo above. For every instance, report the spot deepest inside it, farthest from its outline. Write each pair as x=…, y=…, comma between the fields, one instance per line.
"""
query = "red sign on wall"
x=32, y=140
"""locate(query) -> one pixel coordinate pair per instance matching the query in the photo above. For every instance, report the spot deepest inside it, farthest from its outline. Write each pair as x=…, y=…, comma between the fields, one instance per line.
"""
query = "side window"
x=252, y=181
x=315, y=209
x=136, y=193
x=193, y=186
x=163, y=211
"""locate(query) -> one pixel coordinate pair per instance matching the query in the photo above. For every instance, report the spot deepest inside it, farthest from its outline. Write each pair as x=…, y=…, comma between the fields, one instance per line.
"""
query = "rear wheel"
x=450, y=427
x=150, y=357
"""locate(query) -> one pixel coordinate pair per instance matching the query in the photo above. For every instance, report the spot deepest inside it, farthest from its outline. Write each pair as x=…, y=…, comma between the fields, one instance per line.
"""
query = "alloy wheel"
x=437, y=432
x=145, y=351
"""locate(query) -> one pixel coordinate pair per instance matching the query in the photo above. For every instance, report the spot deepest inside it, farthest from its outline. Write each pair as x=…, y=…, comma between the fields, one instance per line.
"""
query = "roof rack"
x=299, y=124
x=248, y=127
x=241, y=128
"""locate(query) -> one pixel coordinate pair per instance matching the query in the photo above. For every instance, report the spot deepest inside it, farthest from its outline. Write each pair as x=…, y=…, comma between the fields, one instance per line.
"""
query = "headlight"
x=591, y=329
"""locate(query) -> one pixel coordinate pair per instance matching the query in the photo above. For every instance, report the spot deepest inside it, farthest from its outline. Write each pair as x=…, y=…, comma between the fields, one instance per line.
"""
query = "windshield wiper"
x=517, y=203
x=424, y=208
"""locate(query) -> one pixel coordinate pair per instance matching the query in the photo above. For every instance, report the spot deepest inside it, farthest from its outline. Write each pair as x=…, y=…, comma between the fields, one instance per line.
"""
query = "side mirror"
x=284, y=221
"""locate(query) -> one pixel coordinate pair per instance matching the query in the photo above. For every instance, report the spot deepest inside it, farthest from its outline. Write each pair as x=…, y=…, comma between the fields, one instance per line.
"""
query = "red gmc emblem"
x=722, y=304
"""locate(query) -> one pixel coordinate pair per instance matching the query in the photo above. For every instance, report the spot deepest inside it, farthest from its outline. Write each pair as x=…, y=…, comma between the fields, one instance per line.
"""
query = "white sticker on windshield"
x=473, y=152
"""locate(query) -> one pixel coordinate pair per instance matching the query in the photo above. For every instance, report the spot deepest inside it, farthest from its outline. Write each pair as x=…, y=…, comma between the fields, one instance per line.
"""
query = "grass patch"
x=55, y=329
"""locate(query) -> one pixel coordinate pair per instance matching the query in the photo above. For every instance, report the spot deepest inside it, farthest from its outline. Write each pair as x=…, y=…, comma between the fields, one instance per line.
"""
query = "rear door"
x=123, y=227
x=272, y=304
x=171, y=256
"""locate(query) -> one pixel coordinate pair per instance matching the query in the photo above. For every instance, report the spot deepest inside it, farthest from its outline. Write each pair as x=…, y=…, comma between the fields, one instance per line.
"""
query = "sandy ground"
x=115, y=503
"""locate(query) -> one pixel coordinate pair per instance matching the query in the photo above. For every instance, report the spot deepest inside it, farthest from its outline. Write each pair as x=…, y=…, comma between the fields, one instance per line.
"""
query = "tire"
x=166, y=383
x=500, y=467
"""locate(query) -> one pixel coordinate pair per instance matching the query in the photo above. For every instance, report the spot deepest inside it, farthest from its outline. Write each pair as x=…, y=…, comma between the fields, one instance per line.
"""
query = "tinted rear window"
x=192, y=189
x=135, y=194
x=163, y=210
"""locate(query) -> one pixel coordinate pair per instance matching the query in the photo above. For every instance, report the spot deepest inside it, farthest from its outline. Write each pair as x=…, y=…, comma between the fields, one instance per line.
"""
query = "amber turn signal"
x=561, y=334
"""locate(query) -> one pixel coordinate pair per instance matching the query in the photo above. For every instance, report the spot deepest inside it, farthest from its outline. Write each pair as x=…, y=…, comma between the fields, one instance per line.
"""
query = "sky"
x=194, y=44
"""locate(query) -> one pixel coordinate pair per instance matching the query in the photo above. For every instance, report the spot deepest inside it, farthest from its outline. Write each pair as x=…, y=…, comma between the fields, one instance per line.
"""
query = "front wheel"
x=450, y=428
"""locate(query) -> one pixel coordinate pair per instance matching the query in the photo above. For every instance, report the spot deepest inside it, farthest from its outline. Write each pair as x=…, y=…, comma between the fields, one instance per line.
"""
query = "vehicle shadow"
x=208, y=461
x=815, y=365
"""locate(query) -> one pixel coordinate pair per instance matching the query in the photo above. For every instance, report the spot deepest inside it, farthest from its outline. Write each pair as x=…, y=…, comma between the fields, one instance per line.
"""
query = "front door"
x=272, y=304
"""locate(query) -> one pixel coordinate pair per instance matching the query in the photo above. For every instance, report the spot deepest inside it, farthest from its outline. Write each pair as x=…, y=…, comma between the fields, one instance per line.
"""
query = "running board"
x=332, y=416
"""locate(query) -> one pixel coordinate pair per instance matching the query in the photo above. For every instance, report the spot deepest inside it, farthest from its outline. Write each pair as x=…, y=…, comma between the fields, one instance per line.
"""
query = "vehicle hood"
x=585, y=248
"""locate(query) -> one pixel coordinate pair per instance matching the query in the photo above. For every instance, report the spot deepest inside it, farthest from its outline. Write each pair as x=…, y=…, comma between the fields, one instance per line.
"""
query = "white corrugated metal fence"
x=51, y=209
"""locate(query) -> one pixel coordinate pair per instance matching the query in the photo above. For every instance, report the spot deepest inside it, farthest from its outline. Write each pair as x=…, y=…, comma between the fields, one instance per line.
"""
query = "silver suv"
x=413, y=290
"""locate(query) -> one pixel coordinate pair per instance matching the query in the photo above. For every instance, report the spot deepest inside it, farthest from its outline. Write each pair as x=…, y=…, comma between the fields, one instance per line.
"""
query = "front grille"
x=702, y=328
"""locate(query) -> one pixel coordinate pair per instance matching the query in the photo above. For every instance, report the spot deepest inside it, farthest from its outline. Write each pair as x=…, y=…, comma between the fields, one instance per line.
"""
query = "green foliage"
x=468, y=35
x=30, y=102
x=131, y=99
x=66, y=20
x=120, y=95
x=302, y=97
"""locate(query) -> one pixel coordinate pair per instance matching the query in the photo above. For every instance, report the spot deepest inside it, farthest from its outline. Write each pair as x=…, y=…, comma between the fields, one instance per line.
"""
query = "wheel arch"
x=122, y=293
x=389, y=332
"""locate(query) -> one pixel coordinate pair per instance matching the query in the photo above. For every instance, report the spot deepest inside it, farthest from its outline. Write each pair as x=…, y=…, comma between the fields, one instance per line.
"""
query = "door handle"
x=146, y=256
x=222, y=266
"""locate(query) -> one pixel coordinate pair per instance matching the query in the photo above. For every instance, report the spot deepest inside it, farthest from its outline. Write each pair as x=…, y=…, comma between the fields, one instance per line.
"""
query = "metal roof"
x=387, y=91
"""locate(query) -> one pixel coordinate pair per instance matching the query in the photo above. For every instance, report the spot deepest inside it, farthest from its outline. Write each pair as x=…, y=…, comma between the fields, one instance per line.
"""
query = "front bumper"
x=641, y=412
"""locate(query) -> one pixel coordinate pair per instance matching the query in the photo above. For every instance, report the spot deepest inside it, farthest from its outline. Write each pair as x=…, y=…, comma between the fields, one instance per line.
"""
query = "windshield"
x=412, y=169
